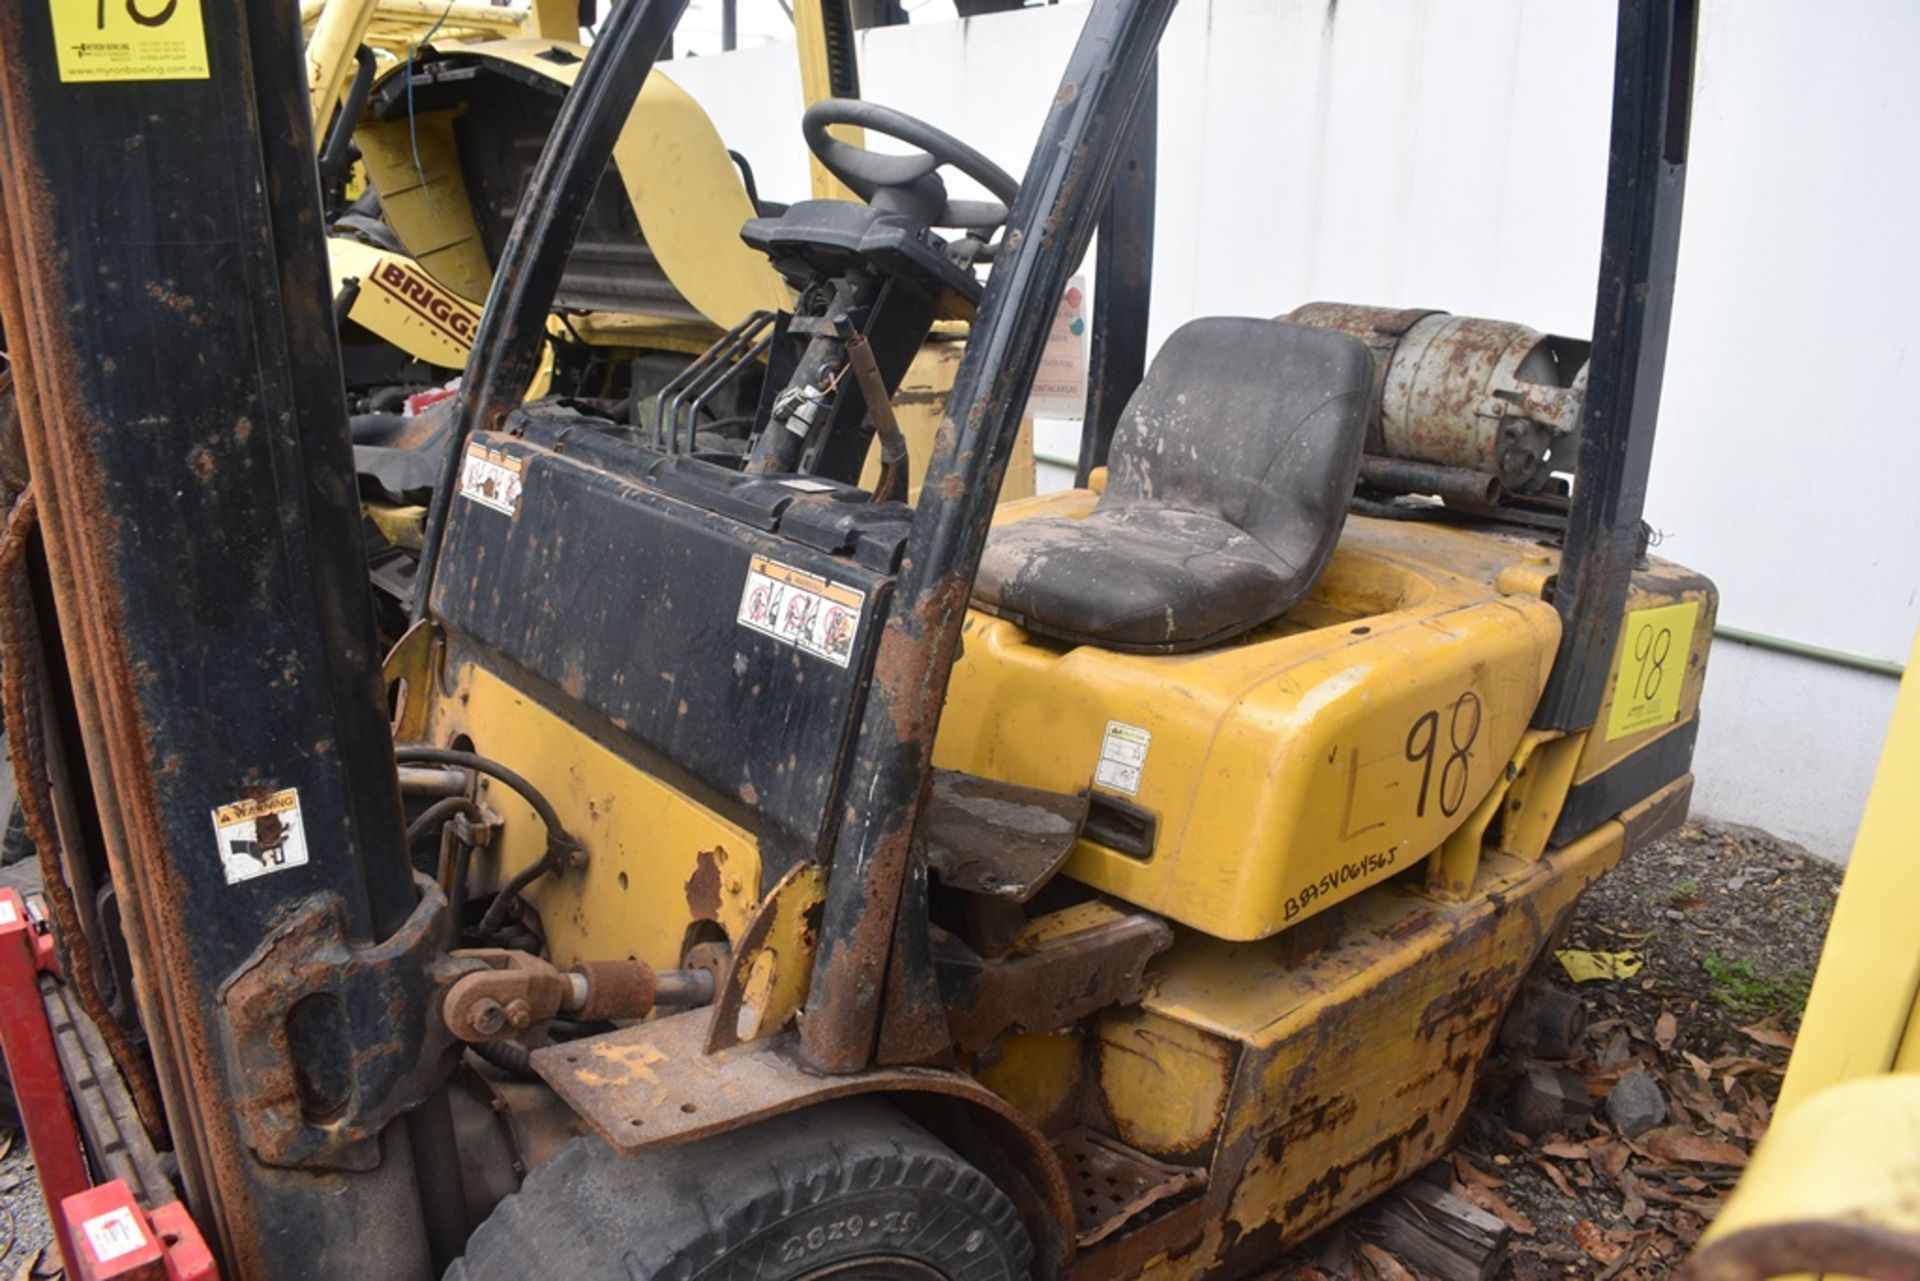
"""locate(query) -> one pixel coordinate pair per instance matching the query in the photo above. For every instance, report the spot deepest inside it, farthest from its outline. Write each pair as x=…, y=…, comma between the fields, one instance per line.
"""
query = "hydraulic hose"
x=509, y=1056
x=20, y=693
x=560, y=845
x=439, y=812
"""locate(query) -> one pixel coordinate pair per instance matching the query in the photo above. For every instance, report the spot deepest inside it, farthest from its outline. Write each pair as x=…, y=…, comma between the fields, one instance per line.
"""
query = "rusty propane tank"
x=1460, y=392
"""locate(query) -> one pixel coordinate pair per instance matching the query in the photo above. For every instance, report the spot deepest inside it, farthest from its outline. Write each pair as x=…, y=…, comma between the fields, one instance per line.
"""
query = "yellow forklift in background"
x=738, y=870
x=1831, y=1188
x=439, y=112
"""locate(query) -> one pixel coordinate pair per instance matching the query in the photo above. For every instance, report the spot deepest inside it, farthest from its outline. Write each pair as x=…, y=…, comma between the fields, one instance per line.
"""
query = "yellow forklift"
x=740, y=871
x=437, y=113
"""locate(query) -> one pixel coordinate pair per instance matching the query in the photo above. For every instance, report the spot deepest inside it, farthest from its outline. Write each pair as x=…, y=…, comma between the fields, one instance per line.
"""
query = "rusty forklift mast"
x=178, y=374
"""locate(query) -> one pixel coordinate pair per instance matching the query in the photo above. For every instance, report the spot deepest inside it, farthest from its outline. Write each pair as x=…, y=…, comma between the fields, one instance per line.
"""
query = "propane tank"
x=1483, y=396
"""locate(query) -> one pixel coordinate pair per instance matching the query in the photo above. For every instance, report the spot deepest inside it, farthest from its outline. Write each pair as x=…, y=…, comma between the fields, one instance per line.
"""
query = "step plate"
x=1111, y=1183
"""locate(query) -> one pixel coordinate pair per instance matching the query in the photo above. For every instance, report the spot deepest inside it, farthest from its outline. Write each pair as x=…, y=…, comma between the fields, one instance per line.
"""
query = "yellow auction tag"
x=1654, y=644
x=101, y=40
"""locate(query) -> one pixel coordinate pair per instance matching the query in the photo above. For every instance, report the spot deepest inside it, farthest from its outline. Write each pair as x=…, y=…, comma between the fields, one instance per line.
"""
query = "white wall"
x=1452, y=153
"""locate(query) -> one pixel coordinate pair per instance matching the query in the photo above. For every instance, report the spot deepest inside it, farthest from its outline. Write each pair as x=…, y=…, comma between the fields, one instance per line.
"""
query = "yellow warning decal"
x=1654, y=645
x=102, y=40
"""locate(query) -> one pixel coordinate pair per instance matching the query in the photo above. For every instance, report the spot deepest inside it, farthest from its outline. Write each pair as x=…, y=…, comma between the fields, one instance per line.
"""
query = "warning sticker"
x=7, y=915
x=260, y=835
x=1060, y=386
x=491, y=478
x=102, y=40
x=802, y=609
x=113, y=1234
x=1654, y=648
x=1123, y=754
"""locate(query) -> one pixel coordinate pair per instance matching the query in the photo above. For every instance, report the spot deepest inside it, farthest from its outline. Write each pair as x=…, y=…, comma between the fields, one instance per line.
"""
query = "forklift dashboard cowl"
x=679, y=562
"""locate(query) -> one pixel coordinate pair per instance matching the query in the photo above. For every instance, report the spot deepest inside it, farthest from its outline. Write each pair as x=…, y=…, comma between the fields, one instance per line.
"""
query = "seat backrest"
x=1256, y=422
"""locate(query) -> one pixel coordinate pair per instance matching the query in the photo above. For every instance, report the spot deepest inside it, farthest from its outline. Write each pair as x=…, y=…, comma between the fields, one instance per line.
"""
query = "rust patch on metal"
x=1050, y=984
x=1111, y=1184
x=703, y=887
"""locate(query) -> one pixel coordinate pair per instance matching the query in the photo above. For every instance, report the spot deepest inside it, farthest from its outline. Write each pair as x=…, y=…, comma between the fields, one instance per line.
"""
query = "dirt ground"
x=1726, y=924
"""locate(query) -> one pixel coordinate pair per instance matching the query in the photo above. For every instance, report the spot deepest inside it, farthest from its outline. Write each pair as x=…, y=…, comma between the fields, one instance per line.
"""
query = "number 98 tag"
x=1654, y=645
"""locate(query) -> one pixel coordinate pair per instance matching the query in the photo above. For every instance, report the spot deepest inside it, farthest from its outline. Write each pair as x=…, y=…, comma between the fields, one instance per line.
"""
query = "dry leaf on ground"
x=1593, y=1243
x=1665, y=1029
x=1490, y=1201
x=1767, y=1034
x=1384, y=1265
x=1674, y=1144
x=1558, y=1179
x=1472, y=1173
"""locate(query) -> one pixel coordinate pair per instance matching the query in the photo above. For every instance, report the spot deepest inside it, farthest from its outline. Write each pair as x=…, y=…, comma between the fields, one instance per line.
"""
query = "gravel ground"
x=23, y=1215
x=1728, y=923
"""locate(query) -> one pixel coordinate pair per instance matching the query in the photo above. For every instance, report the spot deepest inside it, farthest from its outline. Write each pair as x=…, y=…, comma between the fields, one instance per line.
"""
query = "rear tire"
x=846, y=1190
x=15, y=845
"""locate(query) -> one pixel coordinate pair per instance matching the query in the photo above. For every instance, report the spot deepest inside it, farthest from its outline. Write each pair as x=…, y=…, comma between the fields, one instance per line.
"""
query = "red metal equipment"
x=101, y=1231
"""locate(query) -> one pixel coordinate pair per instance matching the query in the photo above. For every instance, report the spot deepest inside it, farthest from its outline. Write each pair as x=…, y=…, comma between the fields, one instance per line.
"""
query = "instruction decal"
x=801, y=609
x=1123, y=754
x=1655, y=645
x=113, y=1234
x=491, y=478
x=259, y=835
x=97, y=41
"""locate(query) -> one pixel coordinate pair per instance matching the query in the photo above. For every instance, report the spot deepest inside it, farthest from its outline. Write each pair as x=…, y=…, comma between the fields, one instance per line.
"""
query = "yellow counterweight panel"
x=656, y=861
x=1307, y=1082
x=1287, y=772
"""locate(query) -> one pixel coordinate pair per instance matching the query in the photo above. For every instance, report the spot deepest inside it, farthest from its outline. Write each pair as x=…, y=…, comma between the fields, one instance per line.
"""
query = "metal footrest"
x=1110, y=1183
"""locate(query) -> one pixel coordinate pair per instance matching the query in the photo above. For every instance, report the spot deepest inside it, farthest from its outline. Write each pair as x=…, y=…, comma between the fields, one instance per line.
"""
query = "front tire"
x=847, y=1190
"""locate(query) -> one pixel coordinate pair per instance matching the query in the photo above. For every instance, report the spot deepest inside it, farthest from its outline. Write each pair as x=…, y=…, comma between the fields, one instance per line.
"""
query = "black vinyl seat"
x=1227, y=487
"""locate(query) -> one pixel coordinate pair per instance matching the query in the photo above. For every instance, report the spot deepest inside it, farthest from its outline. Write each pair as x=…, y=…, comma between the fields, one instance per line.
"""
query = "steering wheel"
x=907, y=184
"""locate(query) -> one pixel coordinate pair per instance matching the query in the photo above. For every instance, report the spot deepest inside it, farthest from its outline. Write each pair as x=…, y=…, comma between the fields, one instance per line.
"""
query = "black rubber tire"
x=15, y=845
x=849, y=1189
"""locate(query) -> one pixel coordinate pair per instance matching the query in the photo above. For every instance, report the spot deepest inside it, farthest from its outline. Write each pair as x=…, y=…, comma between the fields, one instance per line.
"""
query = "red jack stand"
x=102, y=1233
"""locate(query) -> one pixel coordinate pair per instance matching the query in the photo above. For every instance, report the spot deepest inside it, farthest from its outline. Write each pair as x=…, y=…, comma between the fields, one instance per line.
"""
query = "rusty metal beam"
x=1066, y=182
x=167, y=311
x=1639, y=249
